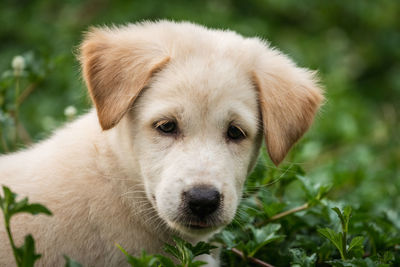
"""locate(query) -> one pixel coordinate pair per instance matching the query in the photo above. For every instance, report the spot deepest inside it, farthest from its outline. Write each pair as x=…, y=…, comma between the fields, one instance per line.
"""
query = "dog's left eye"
x=166, y=127
x=235, y=133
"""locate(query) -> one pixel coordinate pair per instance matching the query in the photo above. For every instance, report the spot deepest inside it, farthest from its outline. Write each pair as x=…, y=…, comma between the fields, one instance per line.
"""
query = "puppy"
x=180, y=112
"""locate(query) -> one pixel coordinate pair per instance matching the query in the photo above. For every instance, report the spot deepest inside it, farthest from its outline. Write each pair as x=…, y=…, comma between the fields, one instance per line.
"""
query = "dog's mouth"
x=199, y=225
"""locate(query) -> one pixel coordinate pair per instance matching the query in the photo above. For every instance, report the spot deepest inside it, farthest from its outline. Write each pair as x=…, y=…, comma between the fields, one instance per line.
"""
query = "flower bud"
x=18, y=64
x=70, y=112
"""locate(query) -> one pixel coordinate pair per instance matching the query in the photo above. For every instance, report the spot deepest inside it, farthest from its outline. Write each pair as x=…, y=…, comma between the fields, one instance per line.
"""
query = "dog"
x=180, y=112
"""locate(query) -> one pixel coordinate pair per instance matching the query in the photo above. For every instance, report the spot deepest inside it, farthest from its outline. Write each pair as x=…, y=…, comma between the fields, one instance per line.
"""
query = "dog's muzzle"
x=201, y=205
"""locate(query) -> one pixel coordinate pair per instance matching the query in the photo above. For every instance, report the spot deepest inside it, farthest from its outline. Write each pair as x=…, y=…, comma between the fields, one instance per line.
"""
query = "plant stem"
x=344, y=237
x=10, y=238
x=16, y=106
x=283, y=214
x=26, y=93
x=253, y=260
x=3, y=142
x=288, y=212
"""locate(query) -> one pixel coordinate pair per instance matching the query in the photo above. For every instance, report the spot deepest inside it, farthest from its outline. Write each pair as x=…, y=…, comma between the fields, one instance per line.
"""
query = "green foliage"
x=300, y=258
x=182, y=251
x=340, y=239
x=71, y=263
x=350, y=156
x=185, y=252
x=335, y=238
x=288, y=233
x=16, y=84
x=261, y=237
x=142, y=261
x=25, y=256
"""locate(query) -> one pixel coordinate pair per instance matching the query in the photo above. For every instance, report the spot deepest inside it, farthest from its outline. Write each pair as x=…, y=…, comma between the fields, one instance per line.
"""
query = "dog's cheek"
x=241, y=160
x=151, y=167
x=230, y=203
x=168, y=197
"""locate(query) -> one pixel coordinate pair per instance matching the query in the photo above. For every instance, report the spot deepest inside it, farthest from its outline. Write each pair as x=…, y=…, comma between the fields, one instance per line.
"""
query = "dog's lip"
x=198, y=225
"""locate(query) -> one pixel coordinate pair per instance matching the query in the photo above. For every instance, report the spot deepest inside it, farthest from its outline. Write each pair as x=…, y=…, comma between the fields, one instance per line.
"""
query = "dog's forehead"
x=204, y=85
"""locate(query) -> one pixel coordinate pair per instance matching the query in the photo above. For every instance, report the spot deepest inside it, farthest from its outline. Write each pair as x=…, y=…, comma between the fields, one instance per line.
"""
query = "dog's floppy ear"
x=289, y=99
x=116, y=66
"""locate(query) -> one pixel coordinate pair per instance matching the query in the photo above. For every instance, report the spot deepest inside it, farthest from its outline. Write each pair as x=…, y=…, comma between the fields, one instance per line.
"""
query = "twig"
x=16, y=106
x=253, y=260
x=20, y=131
x=23, y=134
x=4, y=142
x=26, y=93
x=283, y=214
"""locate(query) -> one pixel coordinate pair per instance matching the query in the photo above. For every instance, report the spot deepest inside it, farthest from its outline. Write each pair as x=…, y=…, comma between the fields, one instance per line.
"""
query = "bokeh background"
x=354, y=45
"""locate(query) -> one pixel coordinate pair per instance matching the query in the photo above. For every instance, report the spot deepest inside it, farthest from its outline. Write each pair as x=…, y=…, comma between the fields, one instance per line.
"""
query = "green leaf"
x=11, y=207
x=227, y=238
x=182, y=250
x=185, y=252
x=197, y=263
x=367, y=262
x=144, y=260
x=173, y=251
x=273, y=208
x=122, y=249
x=306, y=186
x=323, y=190
x=7, y=202
x=33, y=209
x=335, y=238
x=299, y=257
x=344, y=217
x=27, y=253
x=201, y=248
x=71, y=263
x=347, y=213
x=9, y=197
x=263, y=236
x=264, y=233
x=165, y=262
x=356, y=242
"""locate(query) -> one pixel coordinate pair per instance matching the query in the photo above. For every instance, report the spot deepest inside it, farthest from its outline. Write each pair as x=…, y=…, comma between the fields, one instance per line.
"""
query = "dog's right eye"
x=166, y=127
x=235, y=133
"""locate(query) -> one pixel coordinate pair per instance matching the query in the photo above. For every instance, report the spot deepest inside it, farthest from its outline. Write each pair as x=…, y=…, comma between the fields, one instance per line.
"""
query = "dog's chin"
x=195, y=229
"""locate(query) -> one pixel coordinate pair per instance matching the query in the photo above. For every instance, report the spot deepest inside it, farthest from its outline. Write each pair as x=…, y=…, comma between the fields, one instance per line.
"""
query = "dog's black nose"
x=202, y=200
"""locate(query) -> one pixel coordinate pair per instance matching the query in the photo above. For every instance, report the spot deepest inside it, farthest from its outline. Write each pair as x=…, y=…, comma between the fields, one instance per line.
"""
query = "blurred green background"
x=355, y=46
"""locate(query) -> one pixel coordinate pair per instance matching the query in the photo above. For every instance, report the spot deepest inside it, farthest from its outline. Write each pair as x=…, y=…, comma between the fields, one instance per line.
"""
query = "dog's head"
x=195, y=104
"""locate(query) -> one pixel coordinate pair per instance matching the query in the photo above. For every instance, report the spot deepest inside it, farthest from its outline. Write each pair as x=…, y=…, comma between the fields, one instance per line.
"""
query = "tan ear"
x=116, y=67
x=289, y=99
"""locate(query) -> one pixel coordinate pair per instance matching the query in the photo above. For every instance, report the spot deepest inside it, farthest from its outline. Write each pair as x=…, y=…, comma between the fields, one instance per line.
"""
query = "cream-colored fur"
x=112, y=177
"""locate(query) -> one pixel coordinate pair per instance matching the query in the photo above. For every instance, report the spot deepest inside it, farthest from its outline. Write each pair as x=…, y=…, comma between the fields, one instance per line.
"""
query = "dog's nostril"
x=202, y=200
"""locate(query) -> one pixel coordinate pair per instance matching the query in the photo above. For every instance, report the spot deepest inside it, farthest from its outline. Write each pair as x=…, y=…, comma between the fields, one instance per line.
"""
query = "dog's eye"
x=166, y=127
x=235, y=133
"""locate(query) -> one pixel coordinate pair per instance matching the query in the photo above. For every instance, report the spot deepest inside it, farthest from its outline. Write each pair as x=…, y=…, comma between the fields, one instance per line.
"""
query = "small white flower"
x=70, y=112
x=18, y=64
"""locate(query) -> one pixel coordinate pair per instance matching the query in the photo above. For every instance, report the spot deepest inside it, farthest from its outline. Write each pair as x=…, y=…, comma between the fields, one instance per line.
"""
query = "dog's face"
x=206, y=99
x=199, y=134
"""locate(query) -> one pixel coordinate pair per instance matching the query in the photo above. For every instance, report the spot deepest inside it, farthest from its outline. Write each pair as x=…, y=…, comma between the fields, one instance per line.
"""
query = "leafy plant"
x=340, y=239
x=300, y=258
x=352, y=150
x=71, y=263
x=25, y=255
x=182, y=251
